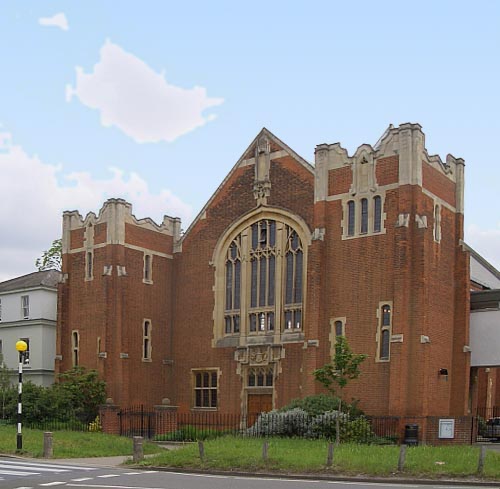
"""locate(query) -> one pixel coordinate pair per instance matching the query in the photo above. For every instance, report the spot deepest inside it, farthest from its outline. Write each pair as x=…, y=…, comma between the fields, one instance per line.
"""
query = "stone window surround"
x=346, y=198
x=333, y=336
x=209, y=370
x=147, y=277
x=75, y=347
x=380, y=328
x=147, y=340
x=219, y=259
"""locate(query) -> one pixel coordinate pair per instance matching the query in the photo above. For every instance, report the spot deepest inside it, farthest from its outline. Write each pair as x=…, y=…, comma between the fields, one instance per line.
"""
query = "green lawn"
x=284, y=455
x=70, y=444
x=306, y=456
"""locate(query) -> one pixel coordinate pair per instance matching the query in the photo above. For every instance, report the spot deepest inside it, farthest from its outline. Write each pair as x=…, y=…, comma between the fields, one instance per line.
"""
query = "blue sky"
x=198, y=80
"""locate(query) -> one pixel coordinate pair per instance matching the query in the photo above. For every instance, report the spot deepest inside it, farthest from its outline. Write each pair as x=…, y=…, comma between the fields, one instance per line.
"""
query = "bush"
x=278, y=423
x=355, y=430
x=322, y=403
x=298, y=422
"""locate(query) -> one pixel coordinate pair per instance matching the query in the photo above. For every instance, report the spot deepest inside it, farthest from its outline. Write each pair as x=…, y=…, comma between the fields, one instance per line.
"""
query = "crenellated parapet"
x=398, y=158
x=111, y=225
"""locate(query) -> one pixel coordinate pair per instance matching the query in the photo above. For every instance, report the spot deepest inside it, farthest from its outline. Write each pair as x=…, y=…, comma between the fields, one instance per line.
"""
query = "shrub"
x=294, y=422
x=355, y=430
x=297, y=422
x=322, y=403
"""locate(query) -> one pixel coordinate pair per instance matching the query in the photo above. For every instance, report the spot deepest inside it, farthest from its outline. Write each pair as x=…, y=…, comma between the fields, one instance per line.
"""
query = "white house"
x=28, y=311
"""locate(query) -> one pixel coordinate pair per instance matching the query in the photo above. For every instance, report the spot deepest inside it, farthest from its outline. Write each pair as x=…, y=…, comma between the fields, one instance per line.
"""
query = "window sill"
x=198, y=409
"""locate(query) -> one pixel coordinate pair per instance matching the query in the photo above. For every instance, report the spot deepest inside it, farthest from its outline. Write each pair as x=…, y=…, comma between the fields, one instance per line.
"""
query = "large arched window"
x=263, y=280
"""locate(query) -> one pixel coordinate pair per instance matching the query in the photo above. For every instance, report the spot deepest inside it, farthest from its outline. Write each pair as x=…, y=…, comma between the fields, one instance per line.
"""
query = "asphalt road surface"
x=17, y=474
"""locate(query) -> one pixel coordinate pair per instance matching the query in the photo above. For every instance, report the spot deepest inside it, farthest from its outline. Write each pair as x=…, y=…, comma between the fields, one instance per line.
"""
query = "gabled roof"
x=486, y=264
x=247, y=154
x=47, y=278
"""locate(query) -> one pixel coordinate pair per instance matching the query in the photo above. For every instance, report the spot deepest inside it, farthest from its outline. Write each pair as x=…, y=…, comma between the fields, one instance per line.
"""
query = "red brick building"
x=236, y=313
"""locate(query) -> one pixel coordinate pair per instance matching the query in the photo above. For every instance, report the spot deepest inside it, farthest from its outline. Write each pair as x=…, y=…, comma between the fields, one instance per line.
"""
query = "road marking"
x=82, y=479
x=132, y=473
x=106, y=476
x=58, y=466
x=47, y=484
x=17, y=472
x=112, y=487
x=40, y=468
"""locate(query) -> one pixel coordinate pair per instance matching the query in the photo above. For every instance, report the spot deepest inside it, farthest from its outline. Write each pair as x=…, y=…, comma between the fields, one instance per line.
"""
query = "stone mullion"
x=244, y=288
x=278, y=280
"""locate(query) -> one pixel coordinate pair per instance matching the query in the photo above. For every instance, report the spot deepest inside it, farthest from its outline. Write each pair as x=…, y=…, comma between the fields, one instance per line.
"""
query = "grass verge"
x=309, y=456
x=70, y=444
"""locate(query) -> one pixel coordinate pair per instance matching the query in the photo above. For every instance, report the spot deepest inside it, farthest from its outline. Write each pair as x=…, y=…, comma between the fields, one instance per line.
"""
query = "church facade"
x=235, y=314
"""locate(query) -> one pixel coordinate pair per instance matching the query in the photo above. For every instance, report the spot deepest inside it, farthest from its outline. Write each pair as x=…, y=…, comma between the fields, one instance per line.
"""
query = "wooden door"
x=258, y=403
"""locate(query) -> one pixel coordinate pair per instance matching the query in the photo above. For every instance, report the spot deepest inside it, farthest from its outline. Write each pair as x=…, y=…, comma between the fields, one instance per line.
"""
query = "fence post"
x=201, y=449
x=265, y=448
x=402, y=458
x=482, y=456
x=138, y=449
x=329, y=457
x=48, y=450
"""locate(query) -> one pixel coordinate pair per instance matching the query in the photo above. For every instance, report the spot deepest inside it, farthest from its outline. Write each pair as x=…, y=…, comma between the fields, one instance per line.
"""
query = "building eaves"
x=46, y=278
x=486, y=264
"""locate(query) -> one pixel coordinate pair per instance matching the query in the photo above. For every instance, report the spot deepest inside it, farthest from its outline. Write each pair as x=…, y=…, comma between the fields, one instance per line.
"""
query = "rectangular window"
x=89, y=265
x=148, y=269
x=384, y=331
x=364, y=216
x=0, y=309
x=205, y=388
x=1, y=352
x=146, y=340
x=25, y=306
x=437, y=223
x=75, y=347
x=26, y=356
x=350, y=218
x=377, y=214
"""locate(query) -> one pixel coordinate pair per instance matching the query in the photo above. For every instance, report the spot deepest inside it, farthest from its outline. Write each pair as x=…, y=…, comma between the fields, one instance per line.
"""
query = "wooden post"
x=482, y=456
x=201, y=449
x=402, y=458
x=329, y=458
x=265, y=448
x=48, y=450
x=138, y=449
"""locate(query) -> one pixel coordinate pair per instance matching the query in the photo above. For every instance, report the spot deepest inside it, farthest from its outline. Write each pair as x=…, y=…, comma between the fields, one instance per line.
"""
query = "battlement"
x=113, y=225
x=398, y=157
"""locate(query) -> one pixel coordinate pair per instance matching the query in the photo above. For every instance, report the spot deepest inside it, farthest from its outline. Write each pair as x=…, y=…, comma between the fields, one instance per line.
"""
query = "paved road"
x=19, y=474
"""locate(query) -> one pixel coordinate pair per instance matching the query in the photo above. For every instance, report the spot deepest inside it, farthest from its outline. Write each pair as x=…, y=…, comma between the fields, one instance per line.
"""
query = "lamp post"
x=21, y=347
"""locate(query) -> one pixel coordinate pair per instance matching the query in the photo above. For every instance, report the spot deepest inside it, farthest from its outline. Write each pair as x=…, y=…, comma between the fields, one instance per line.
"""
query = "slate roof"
x=47, y=278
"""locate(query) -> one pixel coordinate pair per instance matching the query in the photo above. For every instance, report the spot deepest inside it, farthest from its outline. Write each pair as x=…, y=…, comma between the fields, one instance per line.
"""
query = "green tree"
x=5, y=384
x=85, y=391
x=51, y=259
x=334, y=376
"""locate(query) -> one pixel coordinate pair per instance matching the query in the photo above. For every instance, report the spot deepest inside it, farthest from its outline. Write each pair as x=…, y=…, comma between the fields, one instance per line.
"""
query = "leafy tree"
x=5, y=384
x=51, y=259
x=84, y=390
x=337, y=374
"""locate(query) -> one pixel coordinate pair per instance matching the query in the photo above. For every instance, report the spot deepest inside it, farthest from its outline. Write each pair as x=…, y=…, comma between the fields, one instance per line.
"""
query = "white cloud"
x=57, y=20
x=33, y=200
x=139, y=101
x=486, y=242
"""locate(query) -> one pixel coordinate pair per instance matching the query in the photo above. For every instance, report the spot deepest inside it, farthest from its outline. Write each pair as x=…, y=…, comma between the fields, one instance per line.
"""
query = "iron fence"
x=192, y=426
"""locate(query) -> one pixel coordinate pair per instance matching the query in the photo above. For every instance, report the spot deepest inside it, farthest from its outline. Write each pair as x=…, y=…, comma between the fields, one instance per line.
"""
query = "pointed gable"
x=255, y=170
